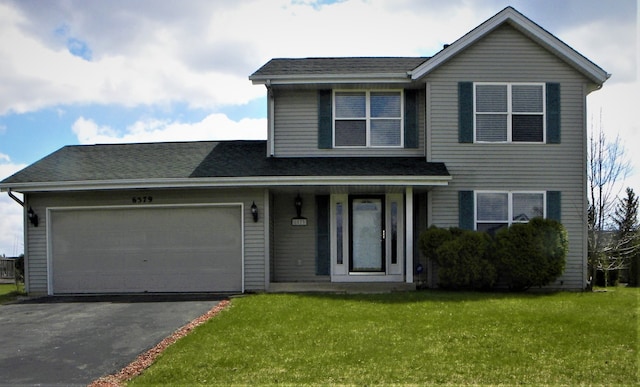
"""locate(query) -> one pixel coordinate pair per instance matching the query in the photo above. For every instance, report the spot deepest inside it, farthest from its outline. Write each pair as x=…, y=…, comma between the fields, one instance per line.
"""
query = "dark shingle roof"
x=181, y=160
x=245, y=159
x=116, y=162
x=332, y=66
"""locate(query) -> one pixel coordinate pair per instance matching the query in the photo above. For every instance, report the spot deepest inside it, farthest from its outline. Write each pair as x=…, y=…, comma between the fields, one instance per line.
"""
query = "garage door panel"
x=177, y=249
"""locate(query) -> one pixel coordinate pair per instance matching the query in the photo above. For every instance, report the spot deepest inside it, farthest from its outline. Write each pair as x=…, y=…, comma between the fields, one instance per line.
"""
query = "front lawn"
x=419, y=338
x=9, y=292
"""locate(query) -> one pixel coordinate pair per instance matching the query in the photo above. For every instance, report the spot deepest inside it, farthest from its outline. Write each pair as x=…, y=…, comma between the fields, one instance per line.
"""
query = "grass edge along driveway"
x=421, y=338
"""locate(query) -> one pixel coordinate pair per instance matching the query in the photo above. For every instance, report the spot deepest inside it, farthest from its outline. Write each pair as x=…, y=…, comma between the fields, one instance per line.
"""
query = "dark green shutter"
x=325, y=120
x=553, y=113
x=322, y=235
x=465, y=210
x=410, y=118
x=465, y=112
x=553, y=205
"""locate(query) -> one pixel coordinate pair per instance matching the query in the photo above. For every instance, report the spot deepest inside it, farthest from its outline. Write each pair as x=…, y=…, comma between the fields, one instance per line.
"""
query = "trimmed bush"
x=465, y=262
x=433, y=238
x=531, y=254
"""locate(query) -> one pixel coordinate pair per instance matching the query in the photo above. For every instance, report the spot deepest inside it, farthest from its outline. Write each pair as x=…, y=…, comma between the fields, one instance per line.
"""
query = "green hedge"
x=521, y=256
x=531, y=254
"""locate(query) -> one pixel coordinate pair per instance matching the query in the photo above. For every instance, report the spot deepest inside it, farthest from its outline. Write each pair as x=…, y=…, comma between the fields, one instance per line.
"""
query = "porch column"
x=266, y=219
x=408, y=234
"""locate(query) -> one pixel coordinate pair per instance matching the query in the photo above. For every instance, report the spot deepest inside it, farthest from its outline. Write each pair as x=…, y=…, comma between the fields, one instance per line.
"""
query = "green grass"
x=411, y=338
x=9, y=292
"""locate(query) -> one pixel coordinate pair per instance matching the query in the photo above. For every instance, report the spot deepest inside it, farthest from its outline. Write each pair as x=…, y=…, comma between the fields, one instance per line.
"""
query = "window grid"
x=368, y=119
x=509, y=113
x=510, y=207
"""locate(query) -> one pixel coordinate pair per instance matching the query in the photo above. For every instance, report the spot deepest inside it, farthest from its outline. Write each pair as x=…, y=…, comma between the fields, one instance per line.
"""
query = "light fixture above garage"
x=33, y=217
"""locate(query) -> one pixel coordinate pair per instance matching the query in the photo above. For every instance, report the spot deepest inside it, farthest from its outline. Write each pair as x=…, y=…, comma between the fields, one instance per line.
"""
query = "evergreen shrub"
x=531, y=254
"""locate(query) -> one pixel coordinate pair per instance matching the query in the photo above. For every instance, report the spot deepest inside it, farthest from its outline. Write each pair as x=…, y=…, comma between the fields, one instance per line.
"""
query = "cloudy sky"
x=85, y=72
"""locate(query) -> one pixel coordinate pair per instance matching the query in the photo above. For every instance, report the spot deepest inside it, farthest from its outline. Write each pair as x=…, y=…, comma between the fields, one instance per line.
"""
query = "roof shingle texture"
x=353, y=65
x=181, y=160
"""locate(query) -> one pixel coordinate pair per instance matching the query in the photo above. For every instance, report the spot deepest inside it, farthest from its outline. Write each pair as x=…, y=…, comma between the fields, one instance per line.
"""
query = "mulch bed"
x=145, y=360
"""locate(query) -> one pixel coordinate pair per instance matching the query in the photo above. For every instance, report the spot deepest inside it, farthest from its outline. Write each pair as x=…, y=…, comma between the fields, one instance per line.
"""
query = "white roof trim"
x=331, y=78
x=227, y=182
x=527, y=27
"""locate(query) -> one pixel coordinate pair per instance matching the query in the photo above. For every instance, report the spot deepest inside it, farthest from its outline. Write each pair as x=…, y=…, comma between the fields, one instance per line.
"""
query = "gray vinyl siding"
x=508, y=56
x=254, y=233
x=295, y=246
x=296, y=128
x=36, y=250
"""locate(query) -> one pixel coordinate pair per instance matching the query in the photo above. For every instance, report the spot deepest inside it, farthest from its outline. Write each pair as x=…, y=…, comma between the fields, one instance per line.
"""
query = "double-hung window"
x=495, y=210
x=368, y=119
x=509, y=112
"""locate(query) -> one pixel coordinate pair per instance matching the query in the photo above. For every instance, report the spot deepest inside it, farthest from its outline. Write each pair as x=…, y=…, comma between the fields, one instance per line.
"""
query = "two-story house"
x=361, y=155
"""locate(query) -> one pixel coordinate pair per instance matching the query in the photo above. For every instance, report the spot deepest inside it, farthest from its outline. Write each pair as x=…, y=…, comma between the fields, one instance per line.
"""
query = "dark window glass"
x=351, y=133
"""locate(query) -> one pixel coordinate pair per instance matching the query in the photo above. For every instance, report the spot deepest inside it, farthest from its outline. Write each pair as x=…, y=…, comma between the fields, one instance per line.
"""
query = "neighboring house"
x=361, y=155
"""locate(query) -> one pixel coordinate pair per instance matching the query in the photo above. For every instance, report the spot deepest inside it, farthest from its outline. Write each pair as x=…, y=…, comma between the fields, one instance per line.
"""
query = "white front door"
x=367, y=235
x=367, y=238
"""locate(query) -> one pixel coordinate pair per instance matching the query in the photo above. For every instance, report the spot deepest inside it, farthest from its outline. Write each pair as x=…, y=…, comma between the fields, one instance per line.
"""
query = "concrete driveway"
x=75, y=340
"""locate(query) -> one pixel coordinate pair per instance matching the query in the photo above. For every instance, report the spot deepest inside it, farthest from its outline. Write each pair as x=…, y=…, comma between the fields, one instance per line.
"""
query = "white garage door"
x=148, y=249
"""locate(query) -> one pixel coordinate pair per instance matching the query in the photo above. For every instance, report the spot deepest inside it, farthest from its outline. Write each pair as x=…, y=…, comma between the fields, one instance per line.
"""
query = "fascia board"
x=530, y=29
x=331, y=78
x=228, y=182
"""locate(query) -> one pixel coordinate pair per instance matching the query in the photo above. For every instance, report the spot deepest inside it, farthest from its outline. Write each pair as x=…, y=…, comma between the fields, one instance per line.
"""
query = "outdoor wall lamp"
x=254, y=212
x=298, y=204
x=33, y=217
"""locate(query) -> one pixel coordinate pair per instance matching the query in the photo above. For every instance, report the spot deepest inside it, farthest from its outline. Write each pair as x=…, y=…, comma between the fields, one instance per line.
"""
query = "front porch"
x=320, y=238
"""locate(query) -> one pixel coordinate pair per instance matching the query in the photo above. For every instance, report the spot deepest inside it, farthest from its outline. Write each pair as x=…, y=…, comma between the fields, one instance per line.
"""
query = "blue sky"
x=84, y=72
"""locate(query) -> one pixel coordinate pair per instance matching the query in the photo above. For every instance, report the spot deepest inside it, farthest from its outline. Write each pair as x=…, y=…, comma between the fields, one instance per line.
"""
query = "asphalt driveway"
x=73, y=341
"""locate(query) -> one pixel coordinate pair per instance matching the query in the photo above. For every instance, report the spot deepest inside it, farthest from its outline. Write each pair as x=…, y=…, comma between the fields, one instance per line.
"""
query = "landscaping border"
x=144, y=360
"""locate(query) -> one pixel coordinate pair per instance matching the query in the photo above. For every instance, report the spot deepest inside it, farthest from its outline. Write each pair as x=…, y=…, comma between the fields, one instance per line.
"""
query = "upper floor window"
x=495, y=210
x=368, y=119
x=509, y=112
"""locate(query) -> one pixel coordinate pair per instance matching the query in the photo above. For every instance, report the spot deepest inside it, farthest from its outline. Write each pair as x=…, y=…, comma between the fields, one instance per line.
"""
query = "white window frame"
x=510, y=194
x=368, y=117
x=509, y=113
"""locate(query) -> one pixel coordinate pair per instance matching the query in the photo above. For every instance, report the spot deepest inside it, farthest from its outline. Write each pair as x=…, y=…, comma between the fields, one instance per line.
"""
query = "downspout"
x=14, y=197
x=270, y=118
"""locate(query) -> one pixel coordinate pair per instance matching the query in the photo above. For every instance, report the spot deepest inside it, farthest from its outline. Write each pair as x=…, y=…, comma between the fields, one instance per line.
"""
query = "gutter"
x=235, y=182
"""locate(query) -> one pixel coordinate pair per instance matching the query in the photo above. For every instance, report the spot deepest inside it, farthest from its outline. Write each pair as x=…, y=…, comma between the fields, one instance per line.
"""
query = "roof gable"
x=527, y=27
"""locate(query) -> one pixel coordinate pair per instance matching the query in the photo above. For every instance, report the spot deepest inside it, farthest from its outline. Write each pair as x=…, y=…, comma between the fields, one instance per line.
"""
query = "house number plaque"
x=141, y=199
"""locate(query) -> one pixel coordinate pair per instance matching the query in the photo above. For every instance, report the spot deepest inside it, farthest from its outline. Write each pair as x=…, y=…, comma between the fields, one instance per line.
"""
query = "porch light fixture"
x=254, y=212
x=298, y=204
x=33, y=217
x=299, y=220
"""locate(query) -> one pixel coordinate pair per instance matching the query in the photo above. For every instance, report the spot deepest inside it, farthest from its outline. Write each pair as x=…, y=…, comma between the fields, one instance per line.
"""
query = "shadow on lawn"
x=431, y=295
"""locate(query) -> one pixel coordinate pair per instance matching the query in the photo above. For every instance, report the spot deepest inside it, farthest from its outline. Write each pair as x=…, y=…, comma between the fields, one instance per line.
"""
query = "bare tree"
x=607, y=166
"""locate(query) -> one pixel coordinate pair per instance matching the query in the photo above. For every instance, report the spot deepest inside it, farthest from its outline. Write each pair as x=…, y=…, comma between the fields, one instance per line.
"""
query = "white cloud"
x=613, y=46
x=201, y=54
x=36, y=74
x=214, y=127
x=7, y=168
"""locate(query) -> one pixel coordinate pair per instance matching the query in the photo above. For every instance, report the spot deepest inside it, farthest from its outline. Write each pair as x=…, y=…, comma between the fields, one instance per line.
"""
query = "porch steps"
x=333, y=287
